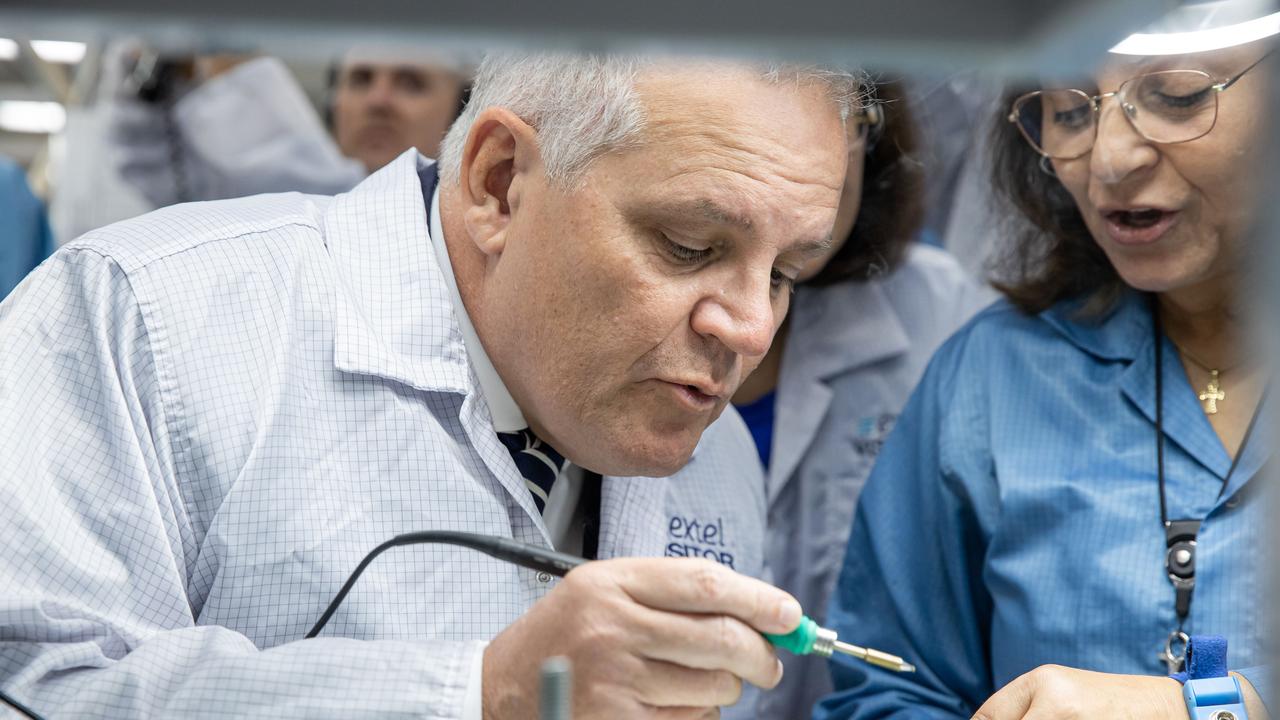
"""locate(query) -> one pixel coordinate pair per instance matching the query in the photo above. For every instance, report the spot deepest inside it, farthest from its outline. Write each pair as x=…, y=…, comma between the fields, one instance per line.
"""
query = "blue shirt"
x=1013, y=519
x=25, y=239
x=758, y=414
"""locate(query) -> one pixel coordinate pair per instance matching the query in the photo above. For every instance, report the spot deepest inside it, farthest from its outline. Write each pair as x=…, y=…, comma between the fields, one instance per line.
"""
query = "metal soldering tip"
x=875, y=657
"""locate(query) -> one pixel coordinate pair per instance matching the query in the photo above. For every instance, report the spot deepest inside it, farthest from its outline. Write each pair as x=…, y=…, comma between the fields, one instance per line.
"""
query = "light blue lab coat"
x=1014, y=518
x=854, y=352
x=211, y=413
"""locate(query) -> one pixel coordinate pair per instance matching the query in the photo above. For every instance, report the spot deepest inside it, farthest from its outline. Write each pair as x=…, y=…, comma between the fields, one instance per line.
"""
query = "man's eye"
x=411, y=82
x=359, y=78
x=779, y=281
x=684, y=254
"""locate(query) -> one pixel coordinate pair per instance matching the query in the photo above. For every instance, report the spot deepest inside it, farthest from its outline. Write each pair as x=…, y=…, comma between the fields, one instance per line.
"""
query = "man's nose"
x=742, y=317
x=1120, y=150
x=381, y=91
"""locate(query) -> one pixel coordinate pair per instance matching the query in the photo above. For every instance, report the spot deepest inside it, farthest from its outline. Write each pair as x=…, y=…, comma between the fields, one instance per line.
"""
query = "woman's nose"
x=1120, y=150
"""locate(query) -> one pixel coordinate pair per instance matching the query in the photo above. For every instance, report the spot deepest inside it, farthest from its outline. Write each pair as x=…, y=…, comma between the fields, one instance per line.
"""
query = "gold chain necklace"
x=1212, y=393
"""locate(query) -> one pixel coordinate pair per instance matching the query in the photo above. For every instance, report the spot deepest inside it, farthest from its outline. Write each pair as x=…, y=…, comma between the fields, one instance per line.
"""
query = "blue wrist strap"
x=1206, y=658
x=1210, y=692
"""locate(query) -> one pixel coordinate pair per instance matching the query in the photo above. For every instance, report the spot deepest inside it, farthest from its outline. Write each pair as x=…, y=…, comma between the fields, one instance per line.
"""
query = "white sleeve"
x=253, y=130
x=95, y=619
x=473, y=703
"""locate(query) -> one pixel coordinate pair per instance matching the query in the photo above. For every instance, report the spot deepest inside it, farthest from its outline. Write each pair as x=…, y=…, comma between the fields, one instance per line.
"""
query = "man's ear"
x=500, y=159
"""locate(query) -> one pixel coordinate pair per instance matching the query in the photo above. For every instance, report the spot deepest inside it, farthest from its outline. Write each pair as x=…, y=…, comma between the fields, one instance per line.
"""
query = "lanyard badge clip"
x=1180, y=565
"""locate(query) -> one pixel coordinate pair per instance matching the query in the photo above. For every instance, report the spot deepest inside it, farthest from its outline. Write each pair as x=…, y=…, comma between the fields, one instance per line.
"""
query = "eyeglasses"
x=1166, y=107
x=870, y=124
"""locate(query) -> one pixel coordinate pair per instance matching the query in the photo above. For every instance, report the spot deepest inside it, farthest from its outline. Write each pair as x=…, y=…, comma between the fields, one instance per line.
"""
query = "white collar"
x=507, y=416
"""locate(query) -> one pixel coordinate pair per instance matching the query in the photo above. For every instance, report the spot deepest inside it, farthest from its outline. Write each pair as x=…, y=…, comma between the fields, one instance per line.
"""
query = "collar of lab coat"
x=834, y=330
x=1124, y=334
x=1119, y=334
x=507, y=416
x=396, y=320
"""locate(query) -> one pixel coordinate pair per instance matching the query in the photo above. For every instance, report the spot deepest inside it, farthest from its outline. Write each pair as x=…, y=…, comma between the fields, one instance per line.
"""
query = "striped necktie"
x=537, y=461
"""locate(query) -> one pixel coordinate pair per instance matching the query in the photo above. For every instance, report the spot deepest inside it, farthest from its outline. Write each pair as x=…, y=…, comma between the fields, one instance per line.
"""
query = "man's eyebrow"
x=811, y=248
x=710, y=211
x=703, y=210
x=716, y=212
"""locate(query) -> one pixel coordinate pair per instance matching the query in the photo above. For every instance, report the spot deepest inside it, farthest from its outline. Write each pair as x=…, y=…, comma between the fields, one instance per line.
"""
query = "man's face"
x=381, y=110
x=623, y=313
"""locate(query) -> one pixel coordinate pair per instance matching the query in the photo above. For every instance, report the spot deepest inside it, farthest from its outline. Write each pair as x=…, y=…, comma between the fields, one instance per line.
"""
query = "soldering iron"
x=807, y=639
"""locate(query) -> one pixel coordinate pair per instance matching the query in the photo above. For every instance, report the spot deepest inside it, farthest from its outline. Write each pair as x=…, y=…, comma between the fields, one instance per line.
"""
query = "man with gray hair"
x=213, y=412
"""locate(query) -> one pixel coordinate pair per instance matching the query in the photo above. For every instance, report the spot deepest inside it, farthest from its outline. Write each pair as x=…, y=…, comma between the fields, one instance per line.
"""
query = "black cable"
x=529, y=556
x=8, y=700
x=1158, y=326
x=518, y=553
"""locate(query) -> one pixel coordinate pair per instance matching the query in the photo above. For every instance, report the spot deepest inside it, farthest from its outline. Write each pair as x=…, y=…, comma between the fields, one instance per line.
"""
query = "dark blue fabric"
x=759, y=418
x=428, y=177
x=539, y=463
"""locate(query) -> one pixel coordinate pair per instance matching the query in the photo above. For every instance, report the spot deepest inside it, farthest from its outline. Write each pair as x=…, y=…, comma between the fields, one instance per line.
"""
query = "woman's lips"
x=1138, y=227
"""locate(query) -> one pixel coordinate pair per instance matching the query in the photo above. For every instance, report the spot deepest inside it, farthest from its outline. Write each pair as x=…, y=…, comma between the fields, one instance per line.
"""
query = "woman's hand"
x=1053, y=691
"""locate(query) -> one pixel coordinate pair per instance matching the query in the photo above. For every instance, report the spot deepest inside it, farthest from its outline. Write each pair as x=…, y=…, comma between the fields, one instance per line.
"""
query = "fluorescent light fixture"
x=28, y=116
x=59, y=51
x=1196, y=26
x=8, y=49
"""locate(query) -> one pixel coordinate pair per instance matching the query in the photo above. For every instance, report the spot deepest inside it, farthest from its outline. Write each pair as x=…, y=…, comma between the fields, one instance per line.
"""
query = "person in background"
x=25, y=239
x=1074, y=449
x=169, y=129
x=865, y=319
x=384, y=102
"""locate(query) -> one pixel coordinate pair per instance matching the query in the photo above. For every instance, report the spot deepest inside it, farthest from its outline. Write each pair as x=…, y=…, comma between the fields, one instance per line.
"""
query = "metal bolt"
x=1182, y=557
x=544, y=577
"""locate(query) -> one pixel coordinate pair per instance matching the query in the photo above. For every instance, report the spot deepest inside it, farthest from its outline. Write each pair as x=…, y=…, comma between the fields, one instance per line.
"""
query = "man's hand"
x=1052, y=691
x=648, y=638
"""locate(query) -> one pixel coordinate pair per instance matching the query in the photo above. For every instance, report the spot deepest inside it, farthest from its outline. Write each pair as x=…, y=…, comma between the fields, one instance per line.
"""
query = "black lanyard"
x=1180, y=535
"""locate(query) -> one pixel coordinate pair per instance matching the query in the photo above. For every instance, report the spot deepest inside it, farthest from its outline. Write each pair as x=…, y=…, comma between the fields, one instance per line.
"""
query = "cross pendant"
x=1212, y=394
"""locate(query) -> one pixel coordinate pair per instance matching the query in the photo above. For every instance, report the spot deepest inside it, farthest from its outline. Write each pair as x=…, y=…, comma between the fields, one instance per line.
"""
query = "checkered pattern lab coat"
x=209, y=414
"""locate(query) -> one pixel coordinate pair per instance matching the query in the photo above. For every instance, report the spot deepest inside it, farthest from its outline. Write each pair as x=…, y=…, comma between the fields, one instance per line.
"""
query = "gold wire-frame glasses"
x=1165, y=107
x=870, y=122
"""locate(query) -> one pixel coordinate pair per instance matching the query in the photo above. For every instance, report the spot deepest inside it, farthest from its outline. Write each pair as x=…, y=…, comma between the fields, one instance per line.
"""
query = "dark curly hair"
x=1054, y=257
x=892, y=201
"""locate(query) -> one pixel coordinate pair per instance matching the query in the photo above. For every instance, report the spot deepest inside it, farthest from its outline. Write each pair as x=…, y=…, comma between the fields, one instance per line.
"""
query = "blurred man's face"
x=624, y=312
x=381, y=110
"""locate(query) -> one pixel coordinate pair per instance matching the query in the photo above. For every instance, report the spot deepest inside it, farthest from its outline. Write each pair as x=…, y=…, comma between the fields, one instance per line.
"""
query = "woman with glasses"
x=1072, y=490
x=864, y=321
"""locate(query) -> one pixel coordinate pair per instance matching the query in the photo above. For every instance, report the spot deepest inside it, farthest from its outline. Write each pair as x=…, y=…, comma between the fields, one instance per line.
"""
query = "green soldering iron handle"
x=799, y=641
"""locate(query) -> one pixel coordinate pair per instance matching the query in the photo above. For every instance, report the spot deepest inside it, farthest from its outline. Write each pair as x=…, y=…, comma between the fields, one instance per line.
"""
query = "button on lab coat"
x=211, y=413
x=854, y=352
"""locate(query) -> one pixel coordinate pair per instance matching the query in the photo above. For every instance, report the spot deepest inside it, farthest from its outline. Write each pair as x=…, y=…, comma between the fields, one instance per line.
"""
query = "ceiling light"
x=59, y=51
x=27, y=116
x=1204, y=25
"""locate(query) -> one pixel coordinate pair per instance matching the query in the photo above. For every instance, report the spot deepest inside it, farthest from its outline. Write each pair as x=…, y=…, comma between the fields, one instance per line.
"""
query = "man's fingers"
x=708, y=642
x=664, y=684
x=692, y=585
